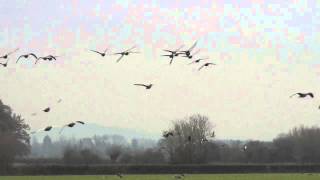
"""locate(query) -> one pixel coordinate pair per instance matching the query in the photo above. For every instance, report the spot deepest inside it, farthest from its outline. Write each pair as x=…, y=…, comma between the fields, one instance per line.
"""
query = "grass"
x=168, y=177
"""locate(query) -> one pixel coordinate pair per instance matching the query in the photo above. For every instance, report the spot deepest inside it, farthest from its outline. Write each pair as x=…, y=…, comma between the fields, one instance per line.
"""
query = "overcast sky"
x=264, y=53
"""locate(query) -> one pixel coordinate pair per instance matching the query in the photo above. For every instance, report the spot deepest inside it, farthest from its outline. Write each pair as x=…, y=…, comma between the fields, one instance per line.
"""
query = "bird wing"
x=12, y=52
x=31, y=54
x=80, y=122
x=96, y=51
x=293, y=95
x=105, y=50
x=193, y=62
x=130, y=49
x=168, y=50
x=171, y=60
x=166, y=55
x=196, y=52
x=136, y=52
x=120, y=58
x=19, y=58
x=201, y=67
x=194, y=45
x=179, y=48
x=140, y=85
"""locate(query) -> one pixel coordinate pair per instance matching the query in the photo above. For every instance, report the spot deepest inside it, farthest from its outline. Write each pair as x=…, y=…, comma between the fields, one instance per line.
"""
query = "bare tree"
x=187, y=145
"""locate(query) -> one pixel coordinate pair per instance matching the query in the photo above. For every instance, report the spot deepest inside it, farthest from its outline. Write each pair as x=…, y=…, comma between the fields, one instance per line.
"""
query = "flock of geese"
x=171, y=54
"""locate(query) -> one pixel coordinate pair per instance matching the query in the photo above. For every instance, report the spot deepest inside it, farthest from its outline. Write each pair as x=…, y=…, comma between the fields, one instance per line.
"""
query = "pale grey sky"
x=262, y=60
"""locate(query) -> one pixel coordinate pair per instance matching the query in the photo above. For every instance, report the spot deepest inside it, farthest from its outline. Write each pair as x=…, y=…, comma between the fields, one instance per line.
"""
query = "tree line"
x=185, y=146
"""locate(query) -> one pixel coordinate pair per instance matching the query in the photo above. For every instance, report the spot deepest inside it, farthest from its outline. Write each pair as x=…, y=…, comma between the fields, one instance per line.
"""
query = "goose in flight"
x=125, y=53
x=5, y=56
x=5, y=64
x=205, y=65
x=47, y=109
x=104, y=53
x=190, y=56
x=303, y=95
x=70, y=125
x=48, y=128
x=47, y=58
x=173, y=54
x=198, y=60
x=188, y=51
x=27, y=56
x=144, y=85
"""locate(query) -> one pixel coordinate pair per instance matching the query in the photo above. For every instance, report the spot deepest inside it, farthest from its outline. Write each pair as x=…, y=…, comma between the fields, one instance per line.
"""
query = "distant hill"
x=90, y=130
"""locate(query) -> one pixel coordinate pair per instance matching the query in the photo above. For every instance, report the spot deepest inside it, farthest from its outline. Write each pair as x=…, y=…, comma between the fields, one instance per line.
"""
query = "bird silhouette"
x=48, y=128
x=303, y=95
x=5, y=56
x=146, y=86
x=5, y=64
x=27, y=56
x=173, y=54
x=190, y=56
x=101, y=53
x=198, y=60
x=205, y=65
x=47, y=58
x=125, y=53
x=46, y=109
x=188, y=51
x=70, y=125
x=166, y=134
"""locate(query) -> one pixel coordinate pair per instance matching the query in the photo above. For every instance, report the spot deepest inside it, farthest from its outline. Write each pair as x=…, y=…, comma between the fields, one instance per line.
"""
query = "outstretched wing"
x=120, y=58
x=140, y=85
x=33, y=55
x=179, y=48
x=96, y=51
x=168, y=51
x=201, y=67
x=130, y=49
x=194, y=45
x=293, y=95
x=80, y=122
x=196, y=52
x=19, y=58
x=12, y=52
x=171, y=60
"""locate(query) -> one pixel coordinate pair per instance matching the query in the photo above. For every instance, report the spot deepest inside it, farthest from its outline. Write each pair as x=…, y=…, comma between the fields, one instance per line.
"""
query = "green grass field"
x=166, y=177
